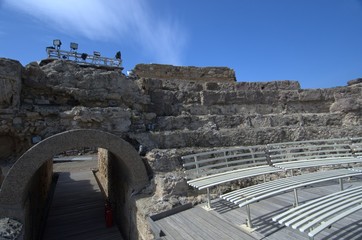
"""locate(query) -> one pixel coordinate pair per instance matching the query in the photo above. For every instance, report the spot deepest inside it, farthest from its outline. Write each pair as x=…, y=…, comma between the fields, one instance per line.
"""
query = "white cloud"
x=112, y=20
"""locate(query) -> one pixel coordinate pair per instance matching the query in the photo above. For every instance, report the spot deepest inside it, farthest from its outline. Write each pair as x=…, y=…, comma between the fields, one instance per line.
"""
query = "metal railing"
x=83, y=58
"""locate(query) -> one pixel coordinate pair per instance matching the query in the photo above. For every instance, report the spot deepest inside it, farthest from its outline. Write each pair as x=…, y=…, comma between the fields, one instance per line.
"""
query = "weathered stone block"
x=10, y=83
x=270, y=86
x=160, y=71
x=213, y=86
x=209, y=98
x=354, y=81
x=310, y=95
x=347, y=105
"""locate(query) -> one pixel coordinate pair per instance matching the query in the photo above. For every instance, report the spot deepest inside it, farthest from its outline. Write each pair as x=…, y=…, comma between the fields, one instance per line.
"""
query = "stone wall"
x=114, y=182
x=191, y=114
x=160, y=71
x=36, y=201
x=10, y=83
x=166, y=112
x=103, y=173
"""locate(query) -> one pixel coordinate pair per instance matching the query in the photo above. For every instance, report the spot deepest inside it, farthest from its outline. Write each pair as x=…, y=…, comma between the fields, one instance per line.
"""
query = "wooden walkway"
x=226, y=219
x=77, y=210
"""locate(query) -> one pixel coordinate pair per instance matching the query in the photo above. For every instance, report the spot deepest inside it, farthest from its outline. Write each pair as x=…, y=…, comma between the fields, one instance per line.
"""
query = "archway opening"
x=85, y=183
x=26, y=187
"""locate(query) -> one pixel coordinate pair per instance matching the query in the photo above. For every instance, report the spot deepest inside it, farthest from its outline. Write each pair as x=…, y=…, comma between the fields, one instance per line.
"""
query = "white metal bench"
x=315, y=153
x=209, y=169
x=316, y=215
x=246, y=196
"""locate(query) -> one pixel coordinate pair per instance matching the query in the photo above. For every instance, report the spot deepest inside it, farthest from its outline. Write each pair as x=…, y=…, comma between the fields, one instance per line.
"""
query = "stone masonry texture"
x=165, y=112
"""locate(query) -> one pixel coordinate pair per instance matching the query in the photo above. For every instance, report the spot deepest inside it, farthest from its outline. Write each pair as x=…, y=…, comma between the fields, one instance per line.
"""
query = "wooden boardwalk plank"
x=186, y=225
x=77, y=210
x=221, y=228
x=224, y=221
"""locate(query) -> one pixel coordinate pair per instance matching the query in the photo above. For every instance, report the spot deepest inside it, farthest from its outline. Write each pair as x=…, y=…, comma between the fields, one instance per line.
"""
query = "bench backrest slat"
x=308, y=150
x=357, y=146
x=229, y=159
x=207, y=163
x=223, y=160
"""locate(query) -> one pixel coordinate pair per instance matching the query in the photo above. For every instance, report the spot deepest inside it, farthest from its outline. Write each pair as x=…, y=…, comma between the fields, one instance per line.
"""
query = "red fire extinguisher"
x=108, y=215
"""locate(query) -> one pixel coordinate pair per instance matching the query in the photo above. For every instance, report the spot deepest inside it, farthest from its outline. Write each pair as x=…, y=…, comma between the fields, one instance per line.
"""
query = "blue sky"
x=316, y=42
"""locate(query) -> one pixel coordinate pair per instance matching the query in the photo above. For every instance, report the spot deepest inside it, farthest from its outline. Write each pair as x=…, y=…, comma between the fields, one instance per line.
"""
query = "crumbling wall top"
x=160, y=71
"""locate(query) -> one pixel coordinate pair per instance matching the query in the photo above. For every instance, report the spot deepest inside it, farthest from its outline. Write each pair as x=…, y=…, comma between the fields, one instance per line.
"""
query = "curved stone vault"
x=14, y=187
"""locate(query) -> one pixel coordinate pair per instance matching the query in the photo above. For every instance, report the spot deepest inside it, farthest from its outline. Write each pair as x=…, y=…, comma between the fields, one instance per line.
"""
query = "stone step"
x=247, y=135
x=199, y=122
x=253, y=108
x=173, y=108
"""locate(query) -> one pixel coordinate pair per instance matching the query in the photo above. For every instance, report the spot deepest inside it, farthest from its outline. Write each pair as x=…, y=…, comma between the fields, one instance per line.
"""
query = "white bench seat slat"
x=216, y=179
x=328, y=212
x=333, y=220
x=258, y=189
x=320, y=213
x=293, y=215
x=249, y=192
x=319, y=210
x=252, y=194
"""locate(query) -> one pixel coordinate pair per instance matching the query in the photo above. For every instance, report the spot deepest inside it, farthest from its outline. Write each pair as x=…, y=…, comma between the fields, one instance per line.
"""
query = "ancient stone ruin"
x=144, y=123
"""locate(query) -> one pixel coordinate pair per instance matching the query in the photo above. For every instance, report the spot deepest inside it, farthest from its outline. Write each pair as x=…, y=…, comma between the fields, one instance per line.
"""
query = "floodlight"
x=118, y=55
x=84, y=56
x=57, y=43
x=73, y=46
x=97, y=54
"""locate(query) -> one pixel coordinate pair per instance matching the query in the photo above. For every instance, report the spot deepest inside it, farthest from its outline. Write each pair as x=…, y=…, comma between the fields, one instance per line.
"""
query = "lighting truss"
x=54, y=52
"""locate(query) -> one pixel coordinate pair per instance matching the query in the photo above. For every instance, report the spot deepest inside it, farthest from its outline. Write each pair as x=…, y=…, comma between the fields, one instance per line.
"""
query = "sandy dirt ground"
x=75, y=166
x=60, y=166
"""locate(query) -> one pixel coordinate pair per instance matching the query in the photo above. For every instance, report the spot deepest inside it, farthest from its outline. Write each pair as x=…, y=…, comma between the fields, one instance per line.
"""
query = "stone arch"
x=14, y=187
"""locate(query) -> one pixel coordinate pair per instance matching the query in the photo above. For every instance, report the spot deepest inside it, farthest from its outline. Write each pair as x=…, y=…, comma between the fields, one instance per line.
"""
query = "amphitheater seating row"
x=209, y=169
x=246, y=196
x=319, y=214
x=206, y=170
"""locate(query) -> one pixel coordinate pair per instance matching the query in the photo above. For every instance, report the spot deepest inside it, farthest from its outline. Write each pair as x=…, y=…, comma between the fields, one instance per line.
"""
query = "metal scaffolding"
x=54, y=52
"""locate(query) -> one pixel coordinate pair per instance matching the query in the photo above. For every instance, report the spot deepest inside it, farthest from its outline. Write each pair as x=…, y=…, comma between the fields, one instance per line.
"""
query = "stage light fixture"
x=74, y=46
x=118, y=55
x=84, y=56
x=97, y=54
x=57, y=43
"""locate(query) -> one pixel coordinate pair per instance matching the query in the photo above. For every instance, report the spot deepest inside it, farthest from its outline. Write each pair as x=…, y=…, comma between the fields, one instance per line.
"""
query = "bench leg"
x=248, y=217
x=296, y=202
x=341, y=183
x=208, y=198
